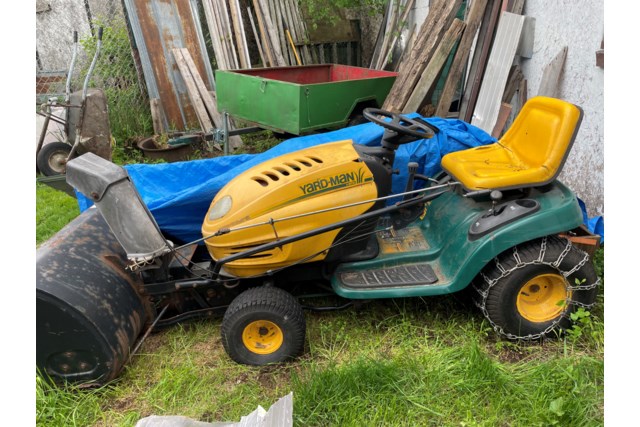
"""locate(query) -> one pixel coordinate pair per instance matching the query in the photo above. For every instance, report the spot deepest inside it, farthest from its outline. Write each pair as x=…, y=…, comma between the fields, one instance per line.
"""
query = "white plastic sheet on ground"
x=280, y=414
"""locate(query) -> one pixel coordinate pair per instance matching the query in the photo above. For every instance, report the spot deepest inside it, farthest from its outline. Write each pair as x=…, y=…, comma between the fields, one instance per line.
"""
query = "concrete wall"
x=580, y=26
x=57, y=19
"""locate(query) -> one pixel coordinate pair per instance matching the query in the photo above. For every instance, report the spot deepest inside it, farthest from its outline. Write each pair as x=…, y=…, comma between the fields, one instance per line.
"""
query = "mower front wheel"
x=263, y=325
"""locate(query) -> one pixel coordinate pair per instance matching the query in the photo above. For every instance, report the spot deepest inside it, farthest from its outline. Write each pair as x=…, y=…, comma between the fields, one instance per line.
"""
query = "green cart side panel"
x=455, y=259
x=330, y=104
x=299, y=100
x=270, y=103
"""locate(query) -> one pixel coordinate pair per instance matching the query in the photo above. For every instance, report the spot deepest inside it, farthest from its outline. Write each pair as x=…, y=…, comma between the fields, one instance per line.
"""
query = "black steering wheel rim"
x=397, y=123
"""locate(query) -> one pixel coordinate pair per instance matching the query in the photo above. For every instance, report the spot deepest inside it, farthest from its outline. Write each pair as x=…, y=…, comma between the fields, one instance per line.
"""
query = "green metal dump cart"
x=298, y=100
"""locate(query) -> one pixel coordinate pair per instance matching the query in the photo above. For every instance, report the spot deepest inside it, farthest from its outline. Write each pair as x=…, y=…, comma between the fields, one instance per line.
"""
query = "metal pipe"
x=71, y=67
x=349, y=205
x=93, y=65
x=85, y=87
x=225, y=130
x=146, y=334
x=43, y=133
x=324, y=229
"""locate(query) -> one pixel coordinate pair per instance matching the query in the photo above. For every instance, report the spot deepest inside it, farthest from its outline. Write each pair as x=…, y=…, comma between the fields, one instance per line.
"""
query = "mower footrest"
x=403, y=275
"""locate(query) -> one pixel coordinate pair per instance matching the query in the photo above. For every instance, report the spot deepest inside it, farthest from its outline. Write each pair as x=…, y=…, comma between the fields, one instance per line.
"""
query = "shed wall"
x=580, y=26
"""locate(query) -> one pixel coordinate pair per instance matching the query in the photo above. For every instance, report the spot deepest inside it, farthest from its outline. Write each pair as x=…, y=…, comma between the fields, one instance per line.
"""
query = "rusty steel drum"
x=89, y=308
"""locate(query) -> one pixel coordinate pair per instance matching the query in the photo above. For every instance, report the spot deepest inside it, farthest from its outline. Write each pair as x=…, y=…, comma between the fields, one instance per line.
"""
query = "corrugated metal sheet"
x=159, y=26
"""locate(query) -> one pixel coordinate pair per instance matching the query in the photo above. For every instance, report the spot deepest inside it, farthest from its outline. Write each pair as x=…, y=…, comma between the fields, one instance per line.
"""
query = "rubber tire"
x=500, y=303
x=43, y=161
x=264, y=303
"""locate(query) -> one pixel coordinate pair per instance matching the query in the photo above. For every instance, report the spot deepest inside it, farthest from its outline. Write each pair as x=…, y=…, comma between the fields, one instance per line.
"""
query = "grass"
x=389, y=363
x=432, y=361
x=54, y=210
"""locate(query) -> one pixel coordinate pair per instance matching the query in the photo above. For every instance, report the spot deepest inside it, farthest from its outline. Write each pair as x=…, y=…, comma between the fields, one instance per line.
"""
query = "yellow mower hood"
x=309, y=180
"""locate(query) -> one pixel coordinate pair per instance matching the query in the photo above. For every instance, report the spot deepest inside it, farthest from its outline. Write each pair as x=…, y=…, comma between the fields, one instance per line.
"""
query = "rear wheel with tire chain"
x=263, y=325
x=52, y=158
x=529, y=291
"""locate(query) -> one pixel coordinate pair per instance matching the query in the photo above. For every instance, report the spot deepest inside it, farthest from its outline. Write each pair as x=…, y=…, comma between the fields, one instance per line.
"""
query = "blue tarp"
x=179, y=194
x=594, y=224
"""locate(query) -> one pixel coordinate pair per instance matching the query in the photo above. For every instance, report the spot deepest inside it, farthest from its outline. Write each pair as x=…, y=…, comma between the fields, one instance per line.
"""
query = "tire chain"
x=519, y=264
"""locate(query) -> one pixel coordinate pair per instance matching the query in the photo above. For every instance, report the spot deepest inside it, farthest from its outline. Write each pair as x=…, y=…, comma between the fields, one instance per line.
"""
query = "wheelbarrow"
x=85, y=121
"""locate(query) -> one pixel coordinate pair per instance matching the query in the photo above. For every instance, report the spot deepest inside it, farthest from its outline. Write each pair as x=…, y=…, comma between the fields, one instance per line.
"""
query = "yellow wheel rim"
x=262, y=337
x=543, y=298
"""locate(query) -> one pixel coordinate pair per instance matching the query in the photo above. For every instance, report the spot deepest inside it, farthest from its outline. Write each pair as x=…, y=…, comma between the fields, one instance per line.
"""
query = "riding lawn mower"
x=322, y=220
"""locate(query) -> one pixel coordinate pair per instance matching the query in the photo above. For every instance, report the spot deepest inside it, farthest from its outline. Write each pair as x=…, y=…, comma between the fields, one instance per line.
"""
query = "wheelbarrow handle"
x=92, y=66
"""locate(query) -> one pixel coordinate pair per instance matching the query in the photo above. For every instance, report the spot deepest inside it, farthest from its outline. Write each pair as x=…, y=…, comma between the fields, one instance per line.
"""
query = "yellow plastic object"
x=532, y=152
x=308, y=180
x=262, y=337
x=543, y=298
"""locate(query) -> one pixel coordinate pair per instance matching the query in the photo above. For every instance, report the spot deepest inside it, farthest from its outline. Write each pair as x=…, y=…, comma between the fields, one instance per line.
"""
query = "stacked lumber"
x=440, y=18
x=202, y=100
x=276, y=26
x=475, y=61
x=393, y=23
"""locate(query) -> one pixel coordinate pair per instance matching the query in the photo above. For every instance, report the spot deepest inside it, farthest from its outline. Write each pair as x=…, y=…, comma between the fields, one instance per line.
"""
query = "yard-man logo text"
x=336, y=181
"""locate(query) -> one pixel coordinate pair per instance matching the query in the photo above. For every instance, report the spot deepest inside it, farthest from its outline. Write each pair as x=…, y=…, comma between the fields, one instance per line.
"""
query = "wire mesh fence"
x=115, y=71
x=120, y=69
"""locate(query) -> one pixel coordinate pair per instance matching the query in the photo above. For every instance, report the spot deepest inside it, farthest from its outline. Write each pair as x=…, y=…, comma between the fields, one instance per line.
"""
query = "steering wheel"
x=400, y=124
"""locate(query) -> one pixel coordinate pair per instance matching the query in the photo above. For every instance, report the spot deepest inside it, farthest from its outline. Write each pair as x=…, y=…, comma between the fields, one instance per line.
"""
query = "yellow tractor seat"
x=531, y=153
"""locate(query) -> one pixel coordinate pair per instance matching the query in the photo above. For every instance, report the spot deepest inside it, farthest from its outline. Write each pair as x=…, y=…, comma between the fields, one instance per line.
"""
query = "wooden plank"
x=321, y=53
x=522, y=97
x=221, y=34
x=287, y=19
x=503, y=116
x=441, y=15
x=407, y=48
x=243, y=33
x=402, y=21
x=266, y=46
x=473, y=21
x=192, y=90
x=287, y=54
x=208, y=98
x=479, y=62
x=434, y=67
x=228, y=33
x=513, y=83
x=216, y=31
x=380, y=37
x=551, y=74
x=273, y=35
x=292, y=15
x=334, y=53
x=600, y=55
x=156, y=116
x=238, y=32
x=391, y=26
x=502, y=55
x=303, y=26
x=516, y=6
x=257, y=37
x=213, y=34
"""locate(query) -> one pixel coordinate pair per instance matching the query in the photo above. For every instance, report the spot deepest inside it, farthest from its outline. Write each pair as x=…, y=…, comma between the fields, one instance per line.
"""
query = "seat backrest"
x=543, y=133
